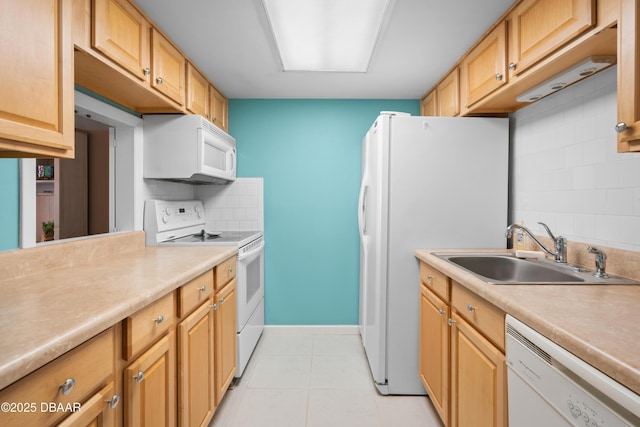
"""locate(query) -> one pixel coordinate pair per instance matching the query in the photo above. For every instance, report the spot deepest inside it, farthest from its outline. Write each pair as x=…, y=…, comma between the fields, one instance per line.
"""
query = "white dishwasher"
x=548, y=386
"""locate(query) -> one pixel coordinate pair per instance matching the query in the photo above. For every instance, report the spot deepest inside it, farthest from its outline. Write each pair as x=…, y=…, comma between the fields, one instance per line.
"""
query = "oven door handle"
x=249, y=256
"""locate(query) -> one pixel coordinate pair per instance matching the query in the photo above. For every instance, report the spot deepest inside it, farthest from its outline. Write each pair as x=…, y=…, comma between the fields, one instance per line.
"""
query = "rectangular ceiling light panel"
x=326, y=35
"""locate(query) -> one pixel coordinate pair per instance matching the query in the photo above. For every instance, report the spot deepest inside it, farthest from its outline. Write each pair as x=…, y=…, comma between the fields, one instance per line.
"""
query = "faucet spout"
x=559, y=243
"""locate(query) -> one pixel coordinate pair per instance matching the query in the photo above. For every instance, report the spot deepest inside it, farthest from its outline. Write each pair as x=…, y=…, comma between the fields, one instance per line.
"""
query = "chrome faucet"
x=559, y=243
x=601, y=262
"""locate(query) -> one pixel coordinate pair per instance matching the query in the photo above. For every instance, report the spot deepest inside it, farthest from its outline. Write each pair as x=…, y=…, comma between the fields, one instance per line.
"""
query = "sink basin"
x=499, y=269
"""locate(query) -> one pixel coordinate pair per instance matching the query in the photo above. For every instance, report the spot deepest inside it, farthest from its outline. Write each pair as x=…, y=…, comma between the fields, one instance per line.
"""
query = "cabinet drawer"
x=84, y=369
x=435, y=280
x=484, y=316
x=147, y=325
x=193, y=293
x=225, y=272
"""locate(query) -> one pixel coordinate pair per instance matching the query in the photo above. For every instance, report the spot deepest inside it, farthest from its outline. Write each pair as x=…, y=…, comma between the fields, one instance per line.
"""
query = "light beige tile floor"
x=307, y=379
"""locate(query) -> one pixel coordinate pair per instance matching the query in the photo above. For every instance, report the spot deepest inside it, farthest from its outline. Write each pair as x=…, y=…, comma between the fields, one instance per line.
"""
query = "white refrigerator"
x=427, y=182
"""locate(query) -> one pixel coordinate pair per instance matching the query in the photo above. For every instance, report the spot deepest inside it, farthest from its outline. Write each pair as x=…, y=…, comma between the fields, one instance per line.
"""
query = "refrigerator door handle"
x=362, y=209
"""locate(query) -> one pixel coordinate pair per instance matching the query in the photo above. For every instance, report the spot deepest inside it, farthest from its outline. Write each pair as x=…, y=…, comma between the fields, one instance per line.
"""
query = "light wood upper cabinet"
x=485, y=68
x=628, y=127
x=428, y=105
x=539, y=27
x=121, y=33
x=36, y=79
x=168, y=71
x=219, y=108
x=197, y=92
x=449, y=95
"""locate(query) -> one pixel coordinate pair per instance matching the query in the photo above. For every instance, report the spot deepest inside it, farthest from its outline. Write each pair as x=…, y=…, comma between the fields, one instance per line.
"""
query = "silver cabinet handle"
x=147, y=71
x=215, y=119
x=202, y=288
x=498, y=76
x=429, y=278
x=230, y=268
x=512, y=66
x=441, y=312
x=159, y=80
x=158, y=320
x=140, y=377
x=215, y=307
x=621, y=127
x=470, y=308
x=221, y=300
x=67, y=386
x=450, y=321
x=113, y=402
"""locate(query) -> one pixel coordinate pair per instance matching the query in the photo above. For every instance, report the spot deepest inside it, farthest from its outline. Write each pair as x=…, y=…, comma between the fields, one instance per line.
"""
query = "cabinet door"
x=628, y=77
x=196, y=388
x=449, y=95
x=434, y=350
x=121, y=33
x=542, y=26
x=478, y=379
x=197, y=92
x=168, y=68
x=485, y=68
x=218, y=105
x=36, y=79
x=225, y=337
x=428, y=105
x=150, y=386
x=99, y=410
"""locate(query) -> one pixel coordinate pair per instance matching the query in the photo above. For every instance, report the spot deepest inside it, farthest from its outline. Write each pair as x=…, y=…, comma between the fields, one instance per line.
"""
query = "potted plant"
x=47, y=231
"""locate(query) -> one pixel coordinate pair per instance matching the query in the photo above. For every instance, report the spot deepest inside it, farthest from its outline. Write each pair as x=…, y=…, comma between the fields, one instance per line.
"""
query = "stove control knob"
x=165, y=219
x=196, y=209
x=167, y=211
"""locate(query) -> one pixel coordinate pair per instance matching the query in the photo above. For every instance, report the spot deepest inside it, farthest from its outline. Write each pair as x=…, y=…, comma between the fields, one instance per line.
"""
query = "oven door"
x=250, y=285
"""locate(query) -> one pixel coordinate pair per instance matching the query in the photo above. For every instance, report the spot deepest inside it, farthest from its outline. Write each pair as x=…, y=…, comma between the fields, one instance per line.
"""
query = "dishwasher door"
x=549, y=386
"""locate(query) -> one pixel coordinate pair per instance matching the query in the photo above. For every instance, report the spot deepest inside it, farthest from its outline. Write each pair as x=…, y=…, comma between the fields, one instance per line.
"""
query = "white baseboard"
x=311, y=329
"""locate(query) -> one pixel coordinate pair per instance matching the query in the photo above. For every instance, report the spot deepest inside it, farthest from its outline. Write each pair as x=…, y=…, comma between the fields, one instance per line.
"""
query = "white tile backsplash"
x=235, y=206
x=566, y=171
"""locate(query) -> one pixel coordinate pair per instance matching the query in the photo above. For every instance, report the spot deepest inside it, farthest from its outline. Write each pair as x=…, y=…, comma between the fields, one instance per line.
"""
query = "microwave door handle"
x=233, y=161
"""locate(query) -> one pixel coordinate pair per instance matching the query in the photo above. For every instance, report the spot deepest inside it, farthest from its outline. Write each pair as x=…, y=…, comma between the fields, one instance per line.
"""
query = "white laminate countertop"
x=47, y=313
x=598, y=323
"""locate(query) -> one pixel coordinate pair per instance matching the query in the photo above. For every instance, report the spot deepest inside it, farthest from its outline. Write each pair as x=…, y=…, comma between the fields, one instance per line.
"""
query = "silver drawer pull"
x=470, y=308
x=113, y=402
x=230, y=269
x=441, y=312
x=221, y=300
x=159, y=80
x=158, y=320
x=67, y=386
x=202, y=288
x=140, y=377
x=429, y=277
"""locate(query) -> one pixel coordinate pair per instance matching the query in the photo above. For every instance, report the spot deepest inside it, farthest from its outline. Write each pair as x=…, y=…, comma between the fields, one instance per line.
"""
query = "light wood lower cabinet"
x=98, y=411
x=478, y=379
x=434, y=350
x=150, y=386
x=225, y=337
x=196, y=388
x=461, y=363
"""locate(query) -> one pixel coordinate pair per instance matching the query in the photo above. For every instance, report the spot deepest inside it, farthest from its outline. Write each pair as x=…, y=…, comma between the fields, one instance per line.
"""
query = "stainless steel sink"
x=502, y=269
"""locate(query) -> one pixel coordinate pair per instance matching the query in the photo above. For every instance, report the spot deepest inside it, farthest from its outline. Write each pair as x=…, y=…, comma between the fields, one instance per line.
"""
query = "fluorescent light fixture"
x=326, y=35
x=581, y=70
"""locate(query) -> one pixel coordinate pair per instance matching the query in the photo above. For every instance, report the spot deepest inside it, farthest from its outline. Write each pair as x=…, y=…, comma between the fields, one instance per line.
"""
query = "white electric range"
x=182, y=223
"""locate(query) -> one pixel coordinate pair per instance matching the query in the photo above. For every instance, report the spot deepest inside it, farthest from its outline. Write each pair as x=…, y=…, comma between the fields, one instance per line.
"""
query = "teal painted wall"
x=10, y=202
x=309, y=153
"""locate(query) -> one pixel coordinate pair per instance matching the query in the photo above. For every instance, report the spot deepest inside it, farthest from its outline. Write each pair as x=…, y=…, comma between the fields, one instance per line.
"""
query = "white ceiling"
x=229, y=42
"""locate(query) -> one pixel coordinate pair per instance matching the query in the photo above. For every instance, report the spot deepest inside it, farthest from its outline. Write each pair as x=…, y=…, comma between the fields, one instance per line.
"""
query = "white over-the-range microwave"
x=187, y=148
